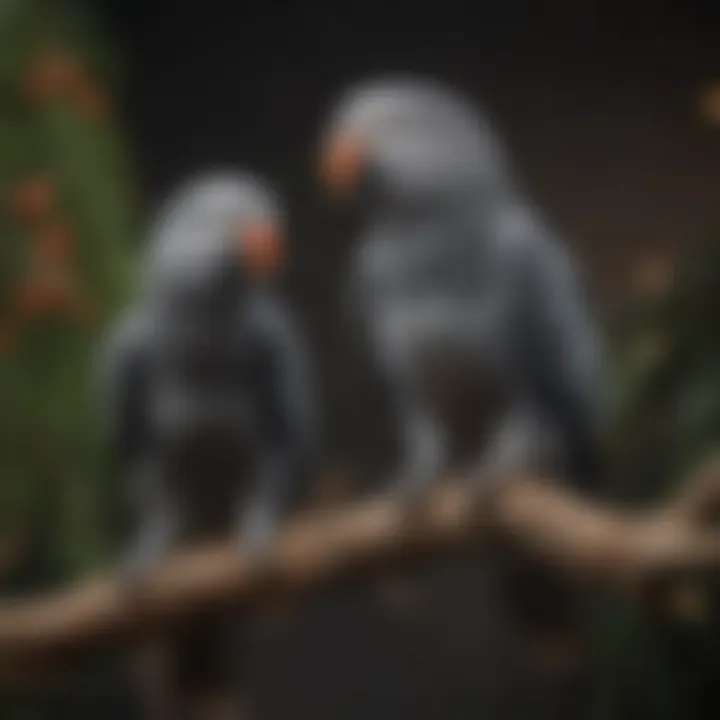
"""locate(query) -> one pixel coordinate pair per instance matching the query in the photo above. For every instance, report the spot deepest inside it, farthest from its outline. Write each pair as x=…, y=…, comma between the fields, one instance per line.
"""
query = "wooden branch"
x=366, y=538
x=311, y=553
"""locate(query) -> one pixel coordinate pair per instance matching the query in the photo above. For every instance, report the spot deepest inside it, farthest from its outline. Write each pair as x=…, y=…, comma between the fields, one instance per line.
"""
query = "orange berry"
x=30, y=298
x=33, y=199
x=709, y=104
x=91, y=99
x=45, y=291
x=50, y=74
x=654, y=276
x=54, y=242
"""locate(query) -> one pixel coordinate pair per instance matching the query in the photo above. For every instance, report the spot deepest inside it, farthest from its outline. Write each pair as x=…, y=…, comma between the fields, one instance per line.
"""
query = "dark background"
x=598, y=103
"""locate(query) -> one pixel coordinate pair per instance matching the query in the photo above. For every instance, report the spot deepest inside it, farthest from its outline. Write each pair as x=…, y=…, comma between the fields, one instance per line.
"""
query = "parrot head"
x=409, y=140
x=215, y=235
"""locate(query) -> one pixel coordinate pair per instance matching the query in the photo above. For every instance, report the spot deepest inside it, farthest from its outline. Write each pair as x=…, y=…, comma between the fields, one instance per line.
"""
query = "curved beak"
x=261, y=248
x=341, y=163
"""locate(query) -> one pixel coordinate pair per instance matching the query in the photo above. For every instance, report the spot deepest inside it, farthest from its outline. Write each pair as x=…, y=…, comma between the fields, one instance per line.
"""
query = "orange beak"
x=341, y=163
x=261, y=247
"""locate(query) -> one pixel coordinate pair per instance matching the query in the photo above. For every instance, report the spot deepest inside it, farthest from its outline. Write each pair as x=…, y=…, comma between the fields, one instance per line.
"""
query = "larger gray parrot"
x=473, y=309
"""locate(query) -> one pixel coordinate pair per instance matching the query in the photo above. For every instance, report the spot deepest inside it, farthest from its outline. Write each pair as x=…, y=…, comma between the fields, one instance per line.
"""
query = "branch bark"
x=367, y=538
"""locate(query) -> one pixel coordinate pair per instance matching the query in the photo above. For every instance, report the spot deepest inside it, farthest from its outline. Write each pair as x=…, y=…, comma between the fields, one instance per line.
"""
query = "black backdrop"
x=597, y=102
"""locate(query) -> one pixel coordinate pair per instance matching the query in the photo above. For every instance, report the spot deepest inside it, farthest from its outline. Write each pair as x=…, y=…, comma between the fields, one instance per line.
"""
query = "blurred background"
x=611, y=113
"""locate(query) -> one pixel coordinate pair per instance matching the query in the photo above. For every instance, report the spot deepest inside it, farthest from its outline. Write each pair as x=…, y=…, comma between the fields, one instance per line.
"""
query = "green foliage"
x=668, y=385
x=67, y=218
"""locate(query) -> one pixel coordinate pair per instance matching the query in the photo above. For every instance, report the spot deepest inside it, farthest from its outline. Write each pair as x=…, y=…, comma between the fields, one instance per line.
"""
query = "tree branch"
x=367, y=538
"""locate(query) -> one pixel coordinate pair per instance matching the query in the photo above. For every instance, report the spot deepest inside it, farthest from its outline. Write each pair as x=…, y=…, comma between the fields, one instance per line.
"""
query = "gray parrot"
x=473, y=310
x=207, y=390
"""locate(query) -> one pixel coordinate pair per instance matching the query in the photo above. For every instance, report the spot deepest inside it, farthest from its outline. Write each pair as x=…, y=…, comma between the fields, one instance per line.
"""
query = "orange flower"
x=90, y=98
x=30, y=298
x=53, y=242
x=45, y=292
x=33, y=199
x=709, y=104
x=50, y=74
x=654, y=276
